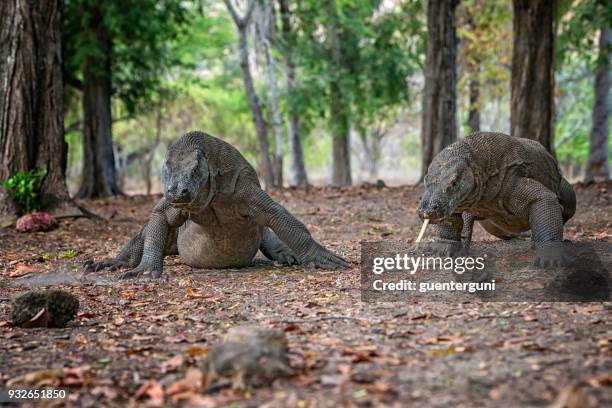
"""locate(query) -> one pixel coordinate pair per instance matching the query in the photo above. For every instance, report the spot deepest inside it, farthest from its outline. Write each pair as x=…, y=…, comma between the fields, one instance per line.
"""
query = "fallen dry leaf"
x=597, y=381
x=196, y=351
x=153, y=390
x=172, y=364
x=23, y=269
x=41, y=319
x=35, y=377
x=192, y=382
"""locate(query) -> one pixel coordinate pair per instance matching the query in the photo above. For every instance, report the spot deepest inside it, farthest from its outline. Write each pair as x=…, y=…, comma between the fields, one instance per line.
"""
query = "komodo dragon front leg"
x=275, y=249
x=265, y=211
x=449, y=238
x=131, y=253
x=146, y=250
x=163, y=218
x=542, y=209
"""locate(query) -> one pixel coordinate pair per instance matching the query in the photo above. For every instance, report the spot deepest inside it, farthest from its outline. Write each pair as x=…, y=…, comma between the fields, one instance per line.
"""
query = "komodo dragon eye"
x=453, y=183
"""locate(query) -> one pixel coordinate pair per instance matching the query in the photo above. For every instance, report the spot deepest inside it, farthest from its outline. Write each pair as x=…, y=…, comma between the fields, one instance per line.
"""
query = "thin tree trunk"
x=474, y=109
x=533, y=75
x=372, y=153
x=439, y=128
x=260, y=125
x=31, y=100
x=275, y=104
x=598, y=165
x=341, y=150
x=99, y=172
x=151, y=152
x=376, y=150
x=298, y=175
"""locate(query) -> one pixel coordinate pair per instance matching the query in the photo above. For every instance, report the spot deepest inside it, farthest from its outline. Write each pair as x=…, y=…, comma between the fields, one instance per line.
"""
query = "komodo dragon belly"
x=217, y=240
x=501, y=219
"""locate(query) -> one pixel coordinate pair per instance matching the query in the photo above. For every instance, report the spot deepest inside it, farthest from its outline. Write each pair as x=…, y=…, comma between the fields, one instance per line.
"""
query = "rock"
x=37, y=221
x=49, y=308
x=248, y=356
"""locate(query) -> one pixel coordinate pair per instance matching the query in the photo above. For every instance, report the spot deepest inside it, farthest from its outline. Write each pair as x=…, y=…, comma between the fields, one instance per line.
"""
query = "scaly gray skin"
x=214, y=214
x=510, y=185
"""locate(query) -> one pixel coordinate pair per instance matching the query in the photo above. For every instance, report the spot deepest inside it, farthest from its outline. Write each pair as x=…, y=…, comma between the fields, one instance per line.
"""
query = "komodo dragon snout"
x=184, y=176
x=448, y=182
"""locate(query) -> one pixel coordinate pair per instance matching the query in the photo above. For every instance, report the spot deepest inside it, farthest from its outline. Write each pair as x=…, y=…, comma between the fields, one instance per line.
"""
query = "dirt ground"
x=140, y=343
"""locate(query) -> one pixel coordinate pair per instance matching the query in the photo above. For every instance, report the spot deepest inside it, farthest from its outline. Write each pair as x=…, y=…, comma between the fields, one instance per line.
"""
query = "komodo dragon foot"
x=319, y=257
x=109, y=264
x=553, y=254
x=447, y=248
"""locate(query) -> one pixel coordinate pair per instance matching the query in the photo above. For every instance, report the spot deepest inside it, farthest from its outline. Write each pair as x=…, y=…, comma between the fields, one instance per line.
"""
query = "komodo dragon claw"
x=319, y=257
x=138, y=272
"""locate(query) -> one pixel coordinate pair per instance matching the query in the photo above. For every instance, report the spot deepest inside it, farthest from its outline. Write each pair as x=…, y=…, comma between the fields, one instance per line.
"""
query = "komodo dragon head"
x=185, y=175
x=448, y=182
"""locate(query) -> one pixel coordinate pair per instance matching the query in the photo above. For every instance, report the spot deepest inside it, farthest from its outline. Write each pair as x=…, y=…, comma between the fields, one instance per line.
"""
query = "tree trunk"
x=372, y=147
x=258, y=120
x=598, y=165
x=298, y=175
x=341, y=149
x=275, y=104
x=31, y=100
x=151, y=150
x=439, y=128
x=533, y=76
x=260, y=125
x=474, y=110
x=99, y=172
x=340, y=125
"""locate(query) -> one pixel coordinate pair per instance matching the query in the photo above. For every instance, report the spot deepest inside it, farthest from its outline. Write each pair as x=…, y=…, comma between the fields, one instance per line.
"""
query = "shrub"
x=24, y=187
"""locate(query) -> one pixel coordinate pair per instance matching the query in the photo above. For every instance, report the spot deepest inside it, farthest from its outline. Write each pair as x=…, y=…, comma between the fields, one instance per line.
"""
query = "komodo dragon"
x=214, y=214
x=508, y=184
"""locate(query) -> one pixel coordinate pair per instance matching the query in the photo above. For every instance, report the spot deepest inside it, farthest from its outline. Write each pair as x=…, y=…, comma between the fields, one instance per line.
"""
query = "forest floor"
x=137, y=343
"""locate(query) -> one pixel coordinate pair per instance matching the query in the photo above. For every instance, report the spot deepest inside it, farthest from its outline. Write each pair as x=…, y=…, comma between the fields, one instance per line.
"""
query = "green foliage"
x=380, y=48
x=577, y=58
x=24, y=188
x=141, y=35
x=484, y=30
x=578, y=26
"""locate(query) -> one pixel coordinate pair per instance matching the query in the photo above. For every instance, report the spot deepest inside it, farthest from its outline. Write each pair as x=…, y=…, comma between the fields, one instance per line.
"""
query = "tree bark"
x=298, y=175
x=99, y=171
x=533, y=76
x=151, y=151
x=275, y=104
x=258, y=119
x=31, y=100
x=474, y=109
x=598, y=165
x=439, y=128
x=341, y=150
x=372, y=148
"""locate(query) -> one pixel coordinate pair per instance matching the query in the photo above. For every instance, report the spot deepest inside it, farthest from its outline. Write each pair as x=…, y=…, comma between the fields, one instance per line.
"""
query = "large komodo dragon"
x=214, y=214
x=508, y=184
